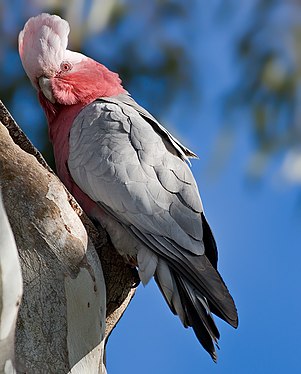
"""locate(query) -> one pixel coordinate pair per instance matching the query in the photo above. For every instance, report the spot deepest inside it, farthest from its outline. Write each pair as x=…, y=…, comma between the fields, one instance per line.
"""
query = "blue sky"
x=257, y=228
x=259, y=240
x=256, y=225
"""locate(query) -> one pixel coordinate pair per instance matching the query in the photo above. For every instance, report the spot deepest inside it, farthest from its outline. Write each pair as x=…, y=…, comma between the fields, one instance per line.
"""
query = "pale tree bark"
x=10, y=292
x=61, y=325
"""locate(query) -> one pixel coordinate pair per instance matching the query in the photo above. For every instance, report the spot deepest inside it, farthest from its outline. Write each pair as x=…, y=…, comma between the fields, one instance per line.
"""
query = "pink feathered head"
x=62, y=76
x=42, y=45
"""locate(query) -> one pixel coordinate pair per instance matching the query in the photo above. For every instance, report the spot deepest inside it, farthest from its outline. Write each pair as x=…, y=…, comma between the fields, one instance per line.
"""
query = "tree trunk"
x=66, y=303
x=10, y=292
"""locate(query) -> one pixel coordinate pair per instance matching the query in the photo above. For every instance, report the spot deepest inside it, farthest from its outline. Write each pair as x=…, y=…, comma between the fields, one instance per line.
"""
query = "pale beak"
x=45, y=86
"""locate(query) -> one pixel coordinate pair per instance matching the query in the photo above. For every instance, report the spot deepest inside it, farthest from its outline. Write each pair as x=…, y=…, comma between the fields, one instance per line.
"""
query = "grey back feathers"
x=124, y=160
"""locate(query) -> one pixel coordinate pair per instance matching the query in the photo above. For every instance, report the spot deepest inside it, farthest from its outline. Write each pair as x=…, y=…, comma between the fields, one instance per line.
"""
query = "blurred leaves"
x=269, y=85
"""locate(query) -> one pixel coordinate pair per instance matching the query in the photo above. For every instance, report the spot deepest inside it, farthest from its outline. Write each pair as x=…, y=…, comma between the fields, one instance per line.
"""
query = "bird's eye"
x=65, y=66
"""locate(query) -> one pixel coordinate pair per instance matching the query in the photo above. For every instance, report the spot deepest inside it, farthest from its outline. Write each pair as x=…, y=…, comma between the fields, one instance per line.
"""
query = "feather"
x=181, y=150
x=169, y=290
x=42, y=44
x=147, y=264
x=170, y=235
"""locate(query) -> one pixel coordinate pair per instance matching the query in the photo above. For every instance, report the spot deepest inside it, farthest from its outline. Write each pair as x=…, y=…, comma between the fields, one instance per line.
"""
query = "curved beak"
x=45, y=86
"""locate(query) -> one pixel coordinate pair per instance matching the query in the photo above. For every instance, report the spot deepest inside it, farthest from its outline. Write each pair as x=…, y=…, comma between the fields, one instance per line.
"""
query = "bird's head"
x=60, y=75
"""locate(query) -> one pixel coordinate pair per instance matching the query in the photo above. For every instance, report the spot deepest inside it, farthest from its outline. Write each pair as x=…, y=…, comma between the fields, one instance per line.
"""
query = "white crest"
x=42, y=45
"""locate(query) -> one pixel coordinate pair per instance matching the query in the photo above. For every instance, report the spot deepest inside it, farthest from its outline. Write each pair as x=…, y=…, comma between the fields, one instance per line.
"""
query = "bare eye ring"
x=65, y=66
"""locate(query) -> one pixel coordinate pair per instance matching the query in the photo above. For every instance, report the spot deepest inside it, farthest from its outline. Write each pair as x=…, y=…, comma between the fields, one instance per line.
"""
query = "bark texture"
x=10, y=292
x=61, y=323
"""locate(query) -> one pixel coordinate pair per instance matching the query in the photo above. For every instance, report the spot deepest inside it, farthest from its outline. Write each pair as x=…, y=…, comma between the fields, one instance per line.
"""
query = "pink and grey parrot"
x=130, y=174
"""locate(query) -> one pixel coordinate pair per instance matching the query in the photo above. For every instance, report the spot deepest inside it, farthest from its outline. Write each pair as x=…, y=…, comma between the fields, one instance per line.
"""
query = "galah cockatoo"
x=130, y=174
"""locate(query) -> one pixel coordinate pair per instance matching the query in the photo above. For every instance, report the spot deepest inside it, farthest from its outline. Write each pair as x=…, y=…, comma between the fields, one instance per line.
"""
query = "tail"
x=190, y=284
x=192, y=306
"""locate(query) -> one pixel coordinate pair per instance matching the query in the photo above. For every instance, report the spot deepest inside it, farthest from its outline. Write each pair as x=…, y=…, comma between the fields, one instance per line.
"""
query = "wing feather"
x=128, y=163
x=113, y=165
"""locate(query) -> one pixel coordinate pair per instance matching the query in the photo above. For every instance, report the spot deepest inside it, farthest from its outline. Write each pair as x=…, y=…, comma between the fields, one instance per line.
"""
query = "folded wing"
x=123, y=159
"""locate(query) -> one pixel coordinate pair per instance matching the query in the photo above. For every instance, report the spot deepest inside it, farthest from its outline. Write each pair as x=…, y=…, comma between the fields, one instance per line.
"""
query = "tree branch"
x=62, y=274
x=10, y=292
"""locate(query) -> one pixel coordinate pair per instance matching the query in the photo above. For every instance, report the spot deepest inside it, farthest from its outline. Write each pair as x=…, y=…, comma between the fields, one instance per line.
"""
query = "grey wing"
x=120, y=161
x=138, y=176
x=182, y=151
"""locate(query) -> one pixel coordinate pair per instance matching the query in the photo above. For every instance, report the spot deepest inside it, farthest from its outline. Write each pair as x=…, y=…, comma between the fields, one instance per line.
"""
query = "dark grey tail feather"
x=166, y=282
x=192, y=307
x=201, y=323
x=198, y=271
x=209, y=243
x=191, y=286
